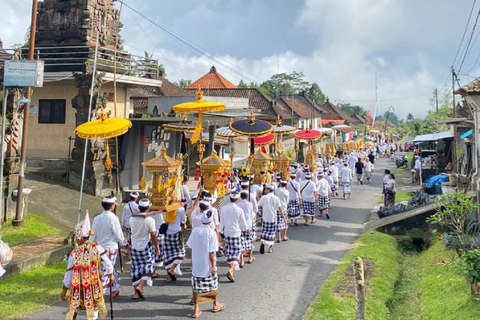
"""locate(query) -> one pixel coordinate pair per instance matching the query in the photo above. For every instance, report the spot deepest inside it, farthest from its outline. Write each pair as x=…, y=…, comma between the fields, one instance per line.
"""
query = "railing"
x=76, y=58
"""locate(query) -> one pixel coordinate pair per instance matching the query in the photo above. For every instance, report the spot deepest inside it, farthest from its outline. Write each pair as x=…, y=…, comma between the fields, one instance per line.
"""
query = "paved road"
x=279, y=286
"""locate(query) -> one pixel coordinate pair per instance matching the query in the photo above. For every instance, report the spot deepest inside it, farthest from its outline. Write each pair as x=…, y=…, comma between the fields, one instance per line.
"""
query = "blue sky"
x=411, y=45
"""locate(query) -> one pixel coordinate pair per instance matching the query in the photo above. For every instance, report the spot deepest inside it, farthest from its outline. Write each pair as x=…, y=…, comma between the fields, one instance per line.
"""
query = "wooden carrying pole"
x=359, y=289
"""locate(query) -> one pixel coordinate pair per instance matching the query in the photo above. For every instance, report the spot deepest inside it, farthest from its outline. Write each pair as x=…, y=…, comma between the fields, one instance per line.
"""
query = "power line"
x=195, y=47
x=469, y=41
x=464, y=32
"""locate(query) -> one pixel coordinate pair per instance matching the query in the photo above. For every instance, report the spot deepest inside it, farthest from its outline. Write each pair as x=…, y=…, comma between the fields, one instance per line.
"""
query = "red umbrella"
x=263, y=141
x=307, y=134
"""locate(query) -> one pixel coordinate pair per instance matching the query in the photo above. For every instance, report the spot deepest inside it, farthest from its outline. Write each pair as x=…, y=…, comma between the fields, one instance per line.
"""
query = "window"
x=51, y=111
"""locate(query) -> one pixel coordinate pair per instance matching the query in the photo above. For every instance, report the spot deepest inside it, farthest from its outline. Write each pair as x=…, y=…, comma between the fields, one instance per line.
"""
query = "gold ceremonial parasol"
x=280, y=129
x=199, y=106
x=104, y=128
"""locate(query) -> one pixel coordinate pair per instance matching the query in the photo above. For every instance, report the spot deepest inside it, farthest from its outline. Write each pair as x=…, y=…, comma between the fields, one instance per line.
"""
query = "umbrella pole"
x=86, y=141
x=118, y=167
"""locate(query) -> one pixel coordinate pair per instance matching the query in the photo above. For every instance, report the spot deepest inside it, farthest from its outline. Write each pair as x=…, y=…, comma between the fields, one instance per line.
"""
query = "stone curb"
x=56, y=255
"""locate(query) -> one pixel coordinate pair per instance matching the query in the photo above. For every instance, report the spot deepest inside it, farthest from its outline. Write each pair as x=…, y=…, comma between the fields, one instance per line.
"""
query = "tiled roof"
x=142, y=92
x=470, y=88
x=140, y=105
x=334, y=113
x=212, y=80
x=170, y=89
x=360, y=119
x=302, y=106
x=256, y=99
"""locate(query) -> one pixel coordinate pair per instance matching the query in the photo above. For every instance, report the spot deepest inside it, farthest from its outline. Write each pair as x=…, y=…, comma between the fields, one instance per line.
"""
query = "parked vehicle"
x=401, y=162
x=408, y=146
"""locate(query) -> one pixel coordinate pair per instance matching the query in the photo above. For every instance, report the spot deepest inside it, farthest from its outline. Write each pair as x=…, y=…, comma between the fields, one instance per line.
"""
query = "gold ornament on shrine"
x=215, y=173
x=165, y=190
x=281, y=164
x=260, y=164
x=311, y=157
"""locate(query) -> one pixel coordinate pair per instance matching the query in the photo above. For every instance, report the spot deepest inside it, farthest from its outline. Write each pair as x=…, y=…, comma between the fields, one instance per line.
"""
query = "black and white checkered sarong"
x=233, y=249
x=260, y=213
x=346, y=187
x=268, y=231
x=293, y=209
x=323, y=202
x=204, y=285
x=143, y=263
x=280, y=222
x=247, y=241
x=161, y=243
x=308, y=208
x=173, y=250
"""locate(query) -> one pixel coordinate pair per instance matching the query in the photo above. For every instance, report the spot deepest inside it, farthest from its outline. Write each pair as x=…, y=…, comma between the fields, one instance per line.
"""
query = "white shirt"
x=159, y=220
x=328, y=178
x=270, y=204
x=256, y=189
x=107, y=264
x=345, y=174
x=368, y=166
x=334, y=169
x=284, y=196
x=323, y=188
x=293, y=188
x=180, y=219
x=141, y=228
x=107, y=231
x=247, y=208
x=351, y=161
x=196, y=217
x=128, y=209
x=418, y=164
x=232, y=220
x=186, y=193
x=203, y=241
x=307, y=190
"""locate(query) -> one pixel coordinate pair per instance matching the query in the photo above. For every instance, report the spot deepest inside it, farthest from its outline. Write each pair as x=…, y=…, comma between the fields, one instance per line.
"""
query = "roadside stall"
x=435, y=152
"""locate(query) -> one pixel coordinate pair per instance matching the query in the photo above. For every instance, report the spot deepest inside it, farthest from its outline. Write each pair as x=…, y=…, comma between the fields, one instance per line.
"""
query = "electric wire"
x=469, y=41
x=197, y=47
x=464, y=32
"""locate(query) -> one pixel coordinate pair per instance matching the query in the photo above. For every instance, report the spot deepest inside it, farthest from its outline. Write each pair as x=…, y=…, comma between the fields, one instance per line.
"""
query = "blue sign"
x=23, y=73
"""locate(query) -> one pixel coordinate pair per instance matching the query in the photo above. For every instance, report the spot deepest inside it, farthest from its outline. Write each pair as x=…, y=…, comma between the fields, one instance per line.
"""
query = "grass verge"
x=31, y=291
x=33, y=228
x=444, y=293
x=334, y=303
x=399, y=196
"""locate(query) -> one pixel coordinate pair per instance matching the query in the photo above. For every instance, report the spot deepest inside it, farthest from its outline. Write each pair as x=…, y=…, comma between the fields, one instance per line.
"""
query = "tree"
x=410, y=117
x=182, y=83
x=243, y=85
x=352, y=110
x=160, y=69
x=283, y=84
x=315, y=94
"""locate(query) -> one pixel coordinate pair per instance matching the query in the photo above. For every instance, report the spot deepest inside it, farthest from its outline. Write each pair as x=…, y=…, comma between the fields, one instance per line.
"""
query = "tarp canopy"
x=433, y=136
x=466, y=134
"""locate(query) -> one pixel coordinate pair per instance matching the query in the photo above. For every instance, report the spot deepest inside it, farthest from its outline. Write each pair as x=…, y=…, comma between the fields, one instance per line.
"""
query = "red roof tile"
x=256, y=99
x=212, y=80
x=302, y=106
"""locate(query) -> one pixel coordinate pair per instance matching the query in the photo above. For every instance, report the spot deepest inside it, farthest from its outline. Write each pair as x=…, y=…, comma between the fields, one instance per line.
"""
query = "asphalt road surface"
x=280, y=285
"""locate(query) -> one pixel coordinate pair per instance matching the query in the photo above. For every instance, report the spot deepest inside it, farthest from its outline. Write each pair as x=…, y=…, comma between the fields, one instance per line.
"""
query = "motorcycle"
x=402, y=162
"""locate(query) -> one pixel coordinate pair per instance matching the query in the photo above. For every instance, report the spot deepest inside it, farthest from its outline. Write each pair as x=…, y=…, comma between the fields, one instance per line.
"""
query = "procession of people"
x=250, y=213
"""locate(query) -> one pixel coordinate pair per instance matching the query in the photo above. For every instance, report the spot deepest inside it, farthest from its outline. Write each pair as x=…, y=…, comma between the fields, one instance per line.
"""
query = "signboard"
x=23, y=73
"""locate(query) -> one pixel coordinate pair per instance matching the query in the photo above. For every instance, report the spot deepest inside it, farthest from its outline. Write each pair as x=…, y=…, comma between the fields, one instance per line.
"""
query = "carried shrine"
x=216, y=172
x=281, y=164
x=260, y=166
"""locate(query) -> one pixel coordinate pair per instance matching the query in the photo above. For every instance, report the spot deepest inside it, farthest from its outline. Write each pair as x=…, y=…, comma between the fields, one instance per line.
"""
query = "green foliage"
x=243, y=85
x=31, y=291
x=284, y=84
x=31, y=229
x=352, y=110
x=332, y=303
x=182, y=83
x=454, y=211
x=469, y=264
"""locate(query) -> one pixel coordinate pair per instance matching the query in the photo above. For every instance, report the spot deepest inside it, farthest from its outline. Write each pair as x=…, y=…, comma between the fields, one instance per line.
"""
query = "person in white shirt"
x=324, y=192
x=333, y=169
x=270, y=204
x=284, y=195
x=295, y=200
x=186, y=199
x=108, y=233
x=368, y=170
x=143, y=249
x=90, y=254
x=130, y=208
x=232, y=223
x=203, y=243
x=173, y=249
x=247, y=238
x=351, y=162
x=386, y=174
x=418, y=168
x=345, y=176
x=308, y=192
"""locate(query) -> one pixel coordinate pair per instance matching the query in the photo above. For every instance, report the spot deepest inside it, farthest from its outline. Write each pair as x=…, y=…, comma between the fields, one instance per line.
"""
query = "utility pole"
x=454, y=115
x=436, y=100
x=18, y=221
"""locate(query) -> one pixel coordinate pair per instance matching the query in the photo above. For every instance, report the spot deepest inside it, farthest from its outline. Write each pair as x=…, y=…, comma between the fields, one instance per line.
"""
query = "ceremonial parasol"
x=181, y=127
x=324, y=130
x=339, y=126
x=104, y=128
x=264, y=141
x=307, y=134
x=251, y=128
x=281, y=129
x=226, y=132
